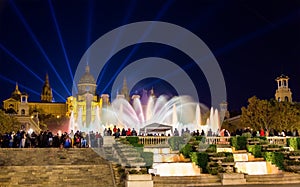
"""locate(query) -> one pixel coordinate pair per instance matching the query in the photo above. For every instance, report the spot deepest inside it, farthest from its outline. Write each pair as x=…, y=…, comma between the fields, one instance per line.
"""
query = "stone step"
x=21, y=175
x=203, y=178
x=285, y=178
x=51, y=156
x=54, y=167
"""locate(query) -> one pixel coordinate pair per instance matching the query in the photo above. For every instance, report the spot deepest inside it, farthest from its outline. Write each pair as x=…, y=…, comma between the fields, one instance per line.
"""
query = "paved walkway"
x=262, y=185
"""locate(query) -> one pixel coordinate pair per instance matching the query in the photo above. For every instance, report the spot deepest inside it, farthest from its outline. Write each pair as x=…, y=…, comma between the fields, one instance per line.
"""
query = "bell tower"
x=125, y=90
x=46, y=95
x=283, y=92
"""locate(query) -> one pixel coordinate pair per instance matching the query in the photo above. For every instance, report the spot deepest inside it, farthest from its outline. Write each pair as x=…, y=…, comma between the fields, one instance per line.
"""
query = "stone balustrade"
x=277, y=140
x=163, y=140
x=153, y=140
x=217, y=140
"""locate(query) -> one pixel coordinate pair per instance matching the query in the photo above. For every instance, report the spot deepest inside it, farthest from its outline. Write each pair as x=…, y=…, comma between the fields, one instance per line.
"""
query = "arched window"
x=278, y=99
x=22, y=112
x=286, y=98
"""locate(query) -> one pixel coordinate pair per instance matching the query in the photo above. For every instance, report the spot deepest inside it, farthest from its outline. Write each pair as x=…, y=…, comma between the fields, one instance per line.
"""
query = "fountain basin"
x=176, y=169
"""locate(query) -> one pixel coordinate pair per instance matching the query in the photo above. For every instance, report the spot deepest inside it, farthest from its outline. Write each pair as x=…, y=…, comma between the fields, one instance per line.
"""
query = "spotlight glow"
x=60, y=39
x=19, y=14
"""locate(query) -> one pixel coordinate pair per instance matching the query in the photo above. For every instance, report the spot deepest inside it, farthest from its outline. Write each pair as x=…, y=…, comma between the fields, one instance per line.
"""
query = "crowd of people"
x=22, y=139
x=266, y=132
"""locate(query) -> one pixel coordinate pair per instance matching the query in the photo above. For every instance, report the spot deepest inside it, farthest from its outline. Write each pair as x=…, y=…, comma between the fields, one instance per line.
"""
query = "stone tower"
x=125, y=91
x=283, y=92
x=16, y=94
x=46, y=95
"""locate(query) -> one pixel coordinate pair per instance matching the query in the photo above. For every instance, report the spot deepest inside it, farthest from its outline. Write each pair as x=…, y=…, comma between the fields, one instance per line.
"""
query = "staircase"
x=202, y=180
x=282, y=178
x=127, y=155
x=54, y=167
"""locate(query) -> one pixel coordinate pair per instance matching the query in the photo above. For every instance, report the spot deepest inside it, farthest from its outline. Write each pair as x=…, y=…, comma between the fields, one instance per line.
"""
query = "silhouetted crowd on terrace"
x=22, y=139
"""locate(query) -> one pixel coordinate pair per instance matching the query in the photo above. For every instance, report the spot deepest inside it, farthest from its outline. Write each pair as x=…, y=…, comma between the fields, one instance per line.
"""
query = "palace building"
x=83, y=105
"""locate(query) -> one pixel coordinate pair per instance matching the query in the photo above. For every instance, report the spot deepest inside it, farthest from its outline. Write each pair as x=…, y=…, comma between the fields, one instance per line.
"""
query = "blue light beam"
x=136, y=47
x=26, y=67
x=20, y=62
x=130, y=9
x=61, y=40
x=21, y=17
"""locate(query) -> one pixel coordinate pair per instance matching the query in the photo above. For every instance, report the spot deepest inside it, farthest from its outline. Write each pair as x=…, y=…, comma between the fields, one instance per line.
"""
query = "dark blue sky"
x=253, y=41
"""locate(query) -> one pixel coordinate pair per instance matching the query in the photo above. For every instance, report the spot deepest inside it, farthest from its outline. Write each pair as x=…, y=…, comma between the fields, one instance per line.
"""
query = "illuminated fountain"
x=213, y=122
x=179, y=112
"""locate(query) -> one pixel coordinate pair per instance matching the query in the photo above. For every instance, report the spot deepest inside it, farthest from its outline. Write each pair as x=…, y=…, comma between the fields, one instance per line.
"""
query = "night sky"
x=253, y=42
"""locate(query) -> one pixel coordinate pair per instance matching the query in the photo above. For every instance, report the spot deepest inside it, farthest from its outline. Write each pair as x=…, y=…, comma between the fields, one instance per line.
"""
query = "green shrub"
x=228, y=159
x=132, y=139
x=262, y=138
x=242, y=142
x=292, y=142
x=292, y=163
x=148, y=158
x=239, y=142
x=255, y=150
x=200, y=138
x=294, y=153
x=176, y=142
x=276, y=158
x=247, y=135
x=219, y=154
x=263, y=142
x=215, y=168
x=186, y=150
x=273, y=146
x=201, y=159
x=233, y=142
x=212, y=148
x=203, y=146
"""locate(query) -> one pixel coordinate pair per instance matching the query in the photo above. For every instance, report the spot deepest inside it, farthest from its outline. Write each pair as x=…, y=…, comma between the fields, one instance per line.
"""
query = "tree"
x=287, y=116
x=270, y=114
x=258, y=114
x=8, y=123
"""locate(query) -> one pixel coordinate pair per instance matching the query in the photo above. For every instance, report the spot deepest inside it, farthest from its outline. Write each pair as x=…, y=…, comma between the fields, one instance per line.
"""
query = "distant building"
x=27, y=112
x=85, y=103
x=283, y=92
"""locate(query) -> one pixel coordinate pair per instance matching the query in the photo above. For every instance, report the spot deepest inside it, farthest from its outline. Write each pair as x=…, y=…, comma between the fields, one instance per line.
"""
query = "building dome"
x=16, y=94
x=87, y=83
x=87, y=78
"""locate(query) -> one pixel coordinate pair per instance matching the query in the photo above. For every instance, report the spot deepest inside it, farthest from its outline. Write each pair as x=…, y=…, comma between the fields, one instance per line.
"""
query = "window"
x=22, y=112
x=286, y=98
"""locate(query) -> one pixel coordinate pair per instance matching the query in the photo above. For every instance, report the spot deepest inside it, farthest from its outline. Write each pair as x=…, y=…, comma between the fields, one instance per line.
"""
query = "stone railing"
x=217, y=140
x=163, y=140
x=153, y=140
x=277, y=140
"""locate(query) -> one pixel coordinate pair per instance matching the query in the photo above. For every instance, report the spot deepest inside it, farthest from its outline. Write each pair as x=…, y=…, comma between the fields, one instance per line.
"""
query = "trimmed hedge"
x=186, y=150
x=148, y=157
x=176, y=142
x=239, y=142
x=201, y=159
x=200, y=138
x=255, y=150
x=212, y=148
x=132, y=139
x=292, y=142
x=276, y=158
